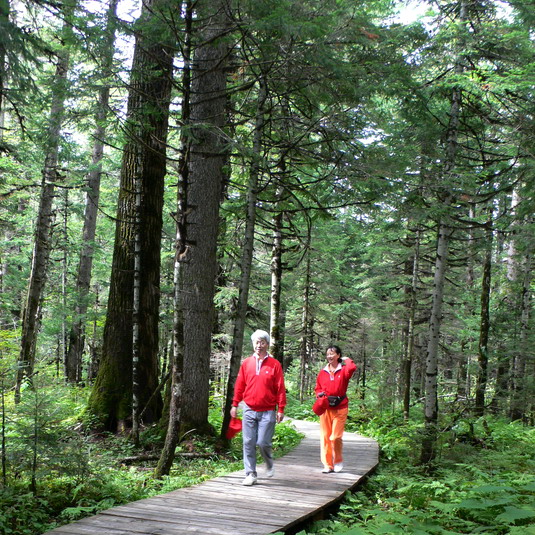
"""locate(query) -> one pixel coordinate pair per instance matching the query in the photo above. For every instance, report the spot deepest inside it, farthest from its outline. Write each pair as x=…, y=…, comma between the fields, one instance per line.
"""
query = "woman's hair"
x=336, y=349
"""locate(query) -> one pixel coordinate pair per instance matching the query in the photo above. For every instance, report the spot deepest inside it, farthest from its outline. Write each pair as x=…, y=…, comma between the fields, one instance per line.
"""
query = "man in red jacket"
x=332, y=381
x=260, y=385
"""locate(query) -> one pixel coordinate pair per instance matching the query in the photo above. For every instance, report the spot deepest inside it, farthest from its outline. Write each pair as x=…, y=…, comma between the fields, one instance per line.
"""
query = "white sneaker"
x=270, y=472
x=249, y=480
x=327, y=470
x=338, y=467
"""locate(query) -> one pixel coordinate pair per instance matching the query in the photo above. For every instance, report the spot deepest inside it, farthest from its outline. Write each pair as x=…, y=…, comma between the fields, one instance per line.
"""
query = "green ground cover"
x=483, y=481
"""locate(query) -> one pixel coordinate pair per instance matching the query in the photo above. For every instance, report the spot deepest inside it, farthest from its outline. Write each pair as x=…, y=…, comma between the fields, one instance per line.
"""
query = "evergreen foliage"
x=367, y=137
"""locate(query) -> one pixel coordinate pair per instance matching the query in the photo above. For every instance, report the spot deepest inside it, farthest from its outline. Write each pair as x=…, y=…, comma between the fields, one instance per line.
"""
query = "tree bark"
x=4, y=22
x=43, y=226
x=441, y=258
x=463, y=377
x=524, y=363
x=484, y=328
x=172, y=437
x=73, y=361
x=431, y=368
x=205, y=174
x=306, y=332
x=409, y=339
x=247, y=252
x=275, y=327
x=144, y=157
x=176, y=397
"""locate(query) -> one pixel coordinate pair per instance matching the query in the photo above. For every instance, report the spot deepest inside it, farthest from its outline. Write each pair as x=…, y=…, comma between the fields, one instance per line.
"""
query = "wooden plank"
x=297, y=492
x=121, y=526
x=261, y=508
x=166, y=514
x=138, y=522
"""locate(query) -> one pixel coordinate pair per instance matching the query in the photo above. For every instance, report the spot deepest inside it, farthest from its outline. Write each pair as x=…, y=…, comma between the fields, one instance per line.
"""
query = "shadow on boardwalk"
x=221, y=506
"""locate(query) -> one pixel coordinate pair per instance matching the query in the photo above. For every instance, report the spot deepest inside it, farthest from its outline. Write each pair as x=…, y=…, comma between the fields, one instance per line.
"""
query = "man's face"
x=260, y=347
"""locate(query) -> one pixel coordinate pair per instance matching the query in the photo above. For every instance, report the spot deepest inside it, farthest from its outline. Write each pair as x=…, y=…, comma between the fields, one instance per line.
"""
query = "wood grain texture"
x=222, y=506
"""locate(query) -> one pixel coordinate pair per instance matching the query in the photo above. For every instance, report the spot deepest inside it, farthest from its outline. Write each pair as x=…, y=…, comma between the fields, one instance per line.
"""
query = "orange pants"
x=332, y=423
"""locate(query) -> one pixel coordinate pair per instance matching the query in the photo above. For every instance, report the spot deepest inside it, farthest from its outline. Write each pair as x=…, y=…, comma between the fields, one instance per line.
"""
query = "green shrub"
x=484, y=486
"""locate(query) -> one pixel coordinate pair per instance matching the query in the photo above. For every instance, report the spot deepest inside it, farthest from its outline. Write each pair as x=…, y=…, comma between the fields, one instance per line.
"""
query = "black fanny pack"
x=334, y=401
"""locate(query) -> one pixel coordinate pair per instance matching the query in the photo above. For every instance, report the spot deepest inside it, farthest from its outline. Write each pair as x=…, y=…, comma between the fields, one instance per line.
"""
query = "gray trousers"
x=257, y=430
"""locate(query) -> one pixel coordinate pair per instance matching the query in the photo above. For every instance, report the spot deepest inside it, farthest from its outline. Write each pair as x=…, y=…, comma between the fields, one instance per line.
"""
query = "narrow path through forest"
x=221, y=506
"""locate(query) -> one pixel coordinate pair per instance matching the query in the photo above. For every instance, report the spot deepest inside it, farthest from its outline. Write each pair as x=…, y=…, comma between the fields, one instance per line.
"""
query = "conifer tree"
x=73, y=361
x=144, y=167
x=207, y=158
x=43, y=227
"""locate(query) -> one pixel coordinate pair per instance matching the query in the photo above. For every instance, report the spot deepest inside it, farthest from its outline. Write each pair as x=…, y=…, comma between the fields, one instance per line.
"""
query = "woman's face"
x=332, y=357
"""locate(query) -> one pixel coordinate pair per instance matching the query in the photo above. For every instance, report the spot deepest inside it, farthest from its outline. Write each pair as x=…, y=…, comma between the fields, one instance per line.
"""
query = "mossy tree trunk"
x=484, y=329
x=206, y=172
x=144, y=158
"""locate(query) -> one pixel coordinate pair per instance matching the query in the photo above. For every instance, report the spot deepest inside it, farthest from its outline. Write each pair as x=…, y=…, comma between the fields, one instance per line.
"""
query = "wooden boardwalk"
x=223, y=506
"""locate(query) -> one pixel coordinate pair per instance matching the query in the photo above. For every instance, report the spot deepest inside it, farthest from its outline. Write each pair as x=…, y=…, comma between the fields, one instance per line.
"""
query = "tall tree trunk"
x=524, y=362
x=484, y=328
x=45, y=216
x=247, y=252
x=441, y=259
x=276, y=285
x=136, y=314
x=144, y=157
x=364, y=363
x=409, y=339
x=73, y=363
x=64, y=280
x=176, y=397
x=94, y=344
x=431, y=368
x=306, y=332
x=275, y=315
x=172, y=436
x=463, y=387
x=511, y=260
x=4, y=22
x=205, y=174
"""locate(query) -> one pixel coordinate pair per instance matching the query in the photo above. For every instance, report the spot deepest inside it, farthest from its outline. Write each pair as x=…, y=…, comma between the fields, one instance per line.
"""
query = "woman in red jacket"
x=332, y=381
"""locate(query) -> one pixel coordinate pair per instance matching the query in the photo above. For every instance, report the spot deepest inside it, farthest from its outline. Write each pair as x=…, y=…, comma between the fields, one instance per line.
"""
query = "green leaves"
x=503, y=504
x=489, y=493
x=516, y=515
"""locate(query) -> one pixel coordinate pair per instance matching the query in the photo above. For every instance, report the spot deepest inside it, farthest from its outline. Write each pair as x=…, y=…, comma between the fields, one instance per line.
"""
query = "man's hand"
x=280, y=417
x=234, y=412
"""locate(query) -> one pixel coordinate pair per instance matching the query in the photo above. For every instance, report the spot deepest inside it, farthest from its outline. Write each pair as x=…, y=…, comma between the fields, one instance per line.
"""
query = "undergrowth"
x=57, y=474
x=483, y=482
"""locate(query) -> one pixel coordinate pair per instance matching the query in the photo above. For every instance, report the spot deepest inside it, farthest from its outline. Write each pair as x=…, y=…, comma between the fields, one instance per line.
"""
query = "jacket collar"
x=339, y=367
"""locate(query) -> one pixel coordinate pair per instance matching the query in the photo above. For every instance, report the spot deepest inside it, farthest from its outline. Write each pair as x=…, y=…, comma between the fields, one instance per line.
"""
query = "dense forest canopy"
x=174, y=175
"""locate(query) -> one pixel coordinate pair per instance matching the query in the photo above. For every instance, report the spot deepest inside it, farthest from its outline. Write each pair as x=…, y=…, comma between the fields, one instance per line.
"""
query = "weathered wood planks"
x=223, y=506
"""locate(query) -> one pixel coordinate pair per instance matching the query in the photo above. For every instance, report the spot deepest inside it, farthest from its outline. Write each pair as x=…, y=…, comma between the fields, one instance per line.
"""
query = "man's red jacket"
x=264, y=391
